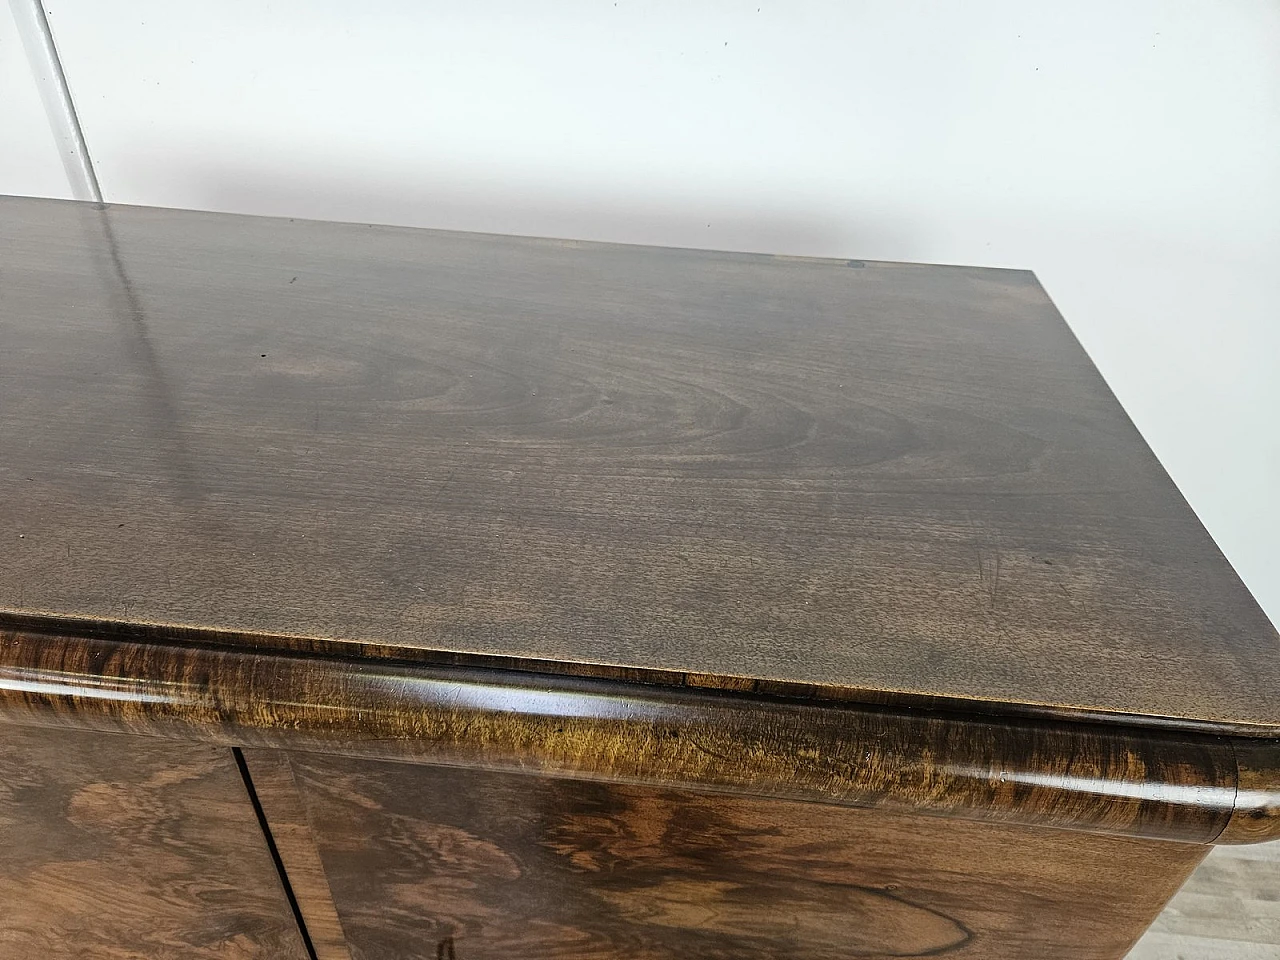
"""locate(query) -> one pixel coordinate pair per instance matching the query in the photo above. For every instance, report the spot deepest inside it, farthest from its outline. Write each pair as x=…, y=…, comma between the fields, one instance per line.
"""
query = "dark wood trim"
x=403, y=655
x=1074, y=776
x=1256, y=816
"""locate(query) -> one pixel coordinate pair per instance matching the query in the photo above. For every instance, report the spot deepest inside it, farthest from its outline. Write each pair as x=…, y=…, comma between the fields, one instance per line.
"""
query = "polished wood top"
x=876, y=481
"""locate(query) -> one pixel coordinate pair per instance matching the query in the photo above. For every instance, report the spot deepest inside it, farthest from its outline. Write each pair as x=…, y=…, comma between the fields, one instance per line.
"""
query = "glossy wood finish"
x=463, y=864
x=1096, y=779
x=120, y=848
x=281, y=802
x=875, y=481
x=1256, y=817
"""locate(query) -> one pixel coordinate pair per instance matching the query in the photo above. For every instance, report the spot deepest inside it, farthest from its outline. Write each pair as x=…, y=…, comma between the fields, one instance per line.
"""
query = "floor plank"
x=1167, y=946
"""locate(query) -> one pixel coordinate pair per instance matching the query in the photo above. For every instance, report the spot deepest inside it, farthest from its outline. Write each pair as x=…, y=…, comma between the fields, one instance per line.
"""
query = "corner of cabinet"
x=1256, y=815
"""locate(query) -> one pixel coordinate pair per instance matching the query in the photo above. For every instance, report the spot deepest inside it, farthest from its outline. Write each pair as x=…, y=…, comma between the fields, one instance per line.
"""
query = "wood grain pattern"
x=282, y=804
x=1256, y=812
x=878, y=481
x=1091, y=778
x=123, y=848
x=431, y=862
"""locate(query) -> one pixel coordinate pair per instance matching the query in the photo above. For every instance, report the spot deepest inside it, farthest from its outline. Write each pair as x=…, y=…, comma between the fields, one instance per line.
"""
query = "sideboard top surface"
x=872, y=480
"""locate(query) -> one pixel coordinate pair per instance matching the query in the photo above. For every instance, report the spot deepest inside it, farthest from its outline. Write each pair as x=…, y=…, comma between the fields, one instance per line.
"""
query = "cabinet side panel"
x=115, y=847
x=461, y=864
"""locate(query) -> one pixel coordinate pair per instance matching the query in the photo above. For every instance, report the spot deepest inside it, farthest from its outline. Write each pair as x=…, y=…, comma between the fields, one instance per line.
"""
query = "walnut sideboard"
x=387, y=594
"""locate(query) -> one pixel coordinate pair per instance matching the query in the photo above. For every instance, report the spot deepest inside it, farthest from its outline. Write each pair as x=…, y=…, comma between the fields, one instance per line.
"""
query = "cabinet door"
x=451, y=864
x=116, y=847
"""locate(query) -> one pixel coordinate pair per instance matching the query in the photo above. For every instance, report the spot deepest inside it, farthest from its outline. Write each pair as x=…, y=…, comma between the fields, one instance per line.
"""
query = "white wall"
x=1129, y=152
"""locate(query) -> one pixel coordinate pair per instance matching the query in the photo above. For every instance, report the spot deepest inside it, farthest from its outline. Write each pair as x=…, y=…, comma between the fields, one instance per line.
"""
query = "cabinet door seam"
x=265, y=827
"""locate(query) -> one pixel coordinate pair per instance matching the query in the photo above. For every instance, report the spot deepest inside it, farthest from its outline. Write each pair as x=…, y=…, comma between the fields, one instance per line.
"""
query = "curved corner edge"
x=1256, y=815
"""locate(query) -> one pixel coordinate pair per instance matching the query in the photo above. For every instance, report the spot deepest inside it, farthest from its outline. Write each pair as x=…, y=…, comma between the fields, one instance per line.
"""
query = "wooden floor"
x=1228, y=910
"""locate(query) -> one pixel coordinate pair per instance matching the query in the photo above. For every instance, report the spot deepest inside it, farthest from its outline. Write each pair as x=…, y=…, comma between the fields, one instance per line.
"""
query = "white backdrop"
x=1128, y=152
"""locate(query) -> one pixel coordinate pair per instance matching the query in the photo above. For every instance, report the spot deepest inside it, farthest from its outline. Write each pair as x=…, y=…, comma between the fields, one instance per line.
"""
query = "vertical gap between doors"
x=275, y=852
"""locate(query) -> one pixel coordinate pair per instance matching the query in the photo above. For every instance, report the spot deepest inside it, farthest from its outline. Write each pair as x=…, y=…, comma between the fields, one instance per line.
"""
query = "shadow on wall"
x=553, y=210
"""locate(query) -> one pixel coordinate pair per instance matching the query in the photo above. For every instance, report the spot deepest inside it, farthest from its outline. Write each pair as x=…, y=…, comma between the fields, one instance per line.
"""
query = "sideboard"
x=385, y=594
